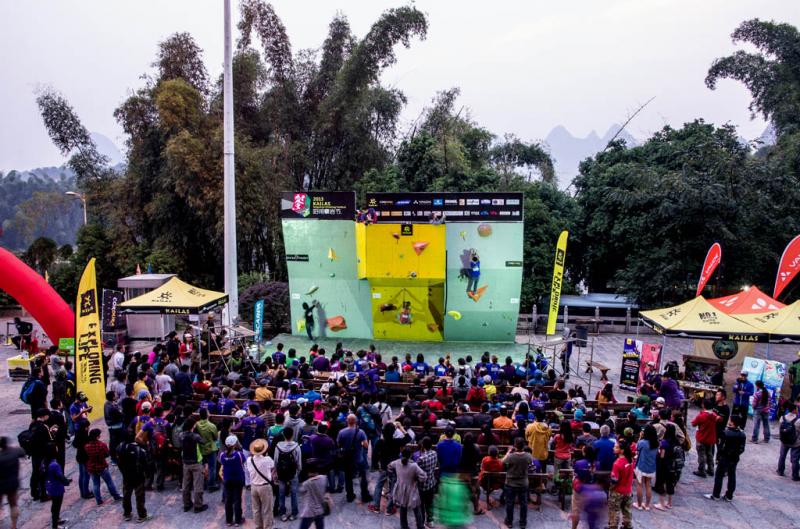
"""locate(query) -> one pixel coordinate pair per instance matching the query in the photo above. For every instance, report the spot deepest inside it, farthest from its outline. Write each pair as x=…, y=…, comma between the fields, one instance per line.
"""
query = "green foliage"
x=772, y=75
x=41, y=254
x=276, y=304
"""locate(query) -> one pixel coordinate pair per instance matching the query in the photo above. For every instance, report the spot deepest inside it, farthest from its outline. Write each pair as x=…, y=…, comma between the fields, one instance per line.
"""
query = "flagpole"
x=231, y=272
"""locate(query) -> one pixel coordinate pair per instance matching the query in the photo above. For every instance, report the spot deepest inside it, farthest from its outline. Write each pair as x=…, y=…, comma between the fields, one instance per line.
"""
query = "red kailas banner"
x=713, y=257
x=789, y=266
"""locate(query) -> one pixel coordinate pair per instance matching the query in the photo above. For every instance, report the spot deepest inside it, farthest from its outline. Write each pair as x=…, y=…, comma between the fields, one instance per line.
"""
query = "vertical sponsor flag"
x=112, y=319
x=88, y=342
x=789, y=266
x=258, y=320
x=713, y=258
x=558, y=276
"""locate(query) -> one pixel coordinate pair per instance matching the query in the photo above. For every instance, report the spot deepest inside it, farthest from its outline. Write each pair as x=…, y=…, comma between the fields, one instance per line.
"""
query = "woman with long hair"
x=232, y=463
x=645, y=471
x=665, y=469
x=563, y=444
x=760, y=411
x=606, y=396
x=406, y=491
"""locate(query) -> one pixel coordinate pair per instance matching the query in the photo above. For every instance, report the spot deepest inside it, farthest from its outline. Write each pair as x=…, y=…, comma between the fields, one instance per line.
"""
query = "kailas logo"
x=88, y=305
x=301, y=204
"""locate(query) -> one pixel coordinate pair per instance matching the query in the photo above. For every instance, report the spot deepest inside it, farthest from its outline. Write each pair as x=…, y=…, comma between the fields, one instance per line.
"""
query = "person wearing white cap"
x=232, y=461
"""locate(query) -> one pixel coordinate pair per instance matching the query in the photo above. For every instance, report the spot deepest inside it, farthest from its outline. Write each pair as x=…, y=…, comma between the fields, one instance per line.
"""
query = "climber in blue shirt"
x=474, y=273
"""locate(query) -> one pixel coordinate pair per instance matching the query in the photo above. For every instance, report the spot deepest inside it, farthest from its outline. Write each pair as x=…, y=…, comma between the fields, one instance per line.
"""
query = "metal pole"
x=231, y=272
x=85, y=220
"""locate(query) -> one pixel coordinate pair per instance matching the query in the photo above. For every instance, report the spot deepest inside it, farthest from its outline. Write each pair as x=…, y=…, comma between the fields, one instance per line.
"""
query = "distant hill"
x=569, y=151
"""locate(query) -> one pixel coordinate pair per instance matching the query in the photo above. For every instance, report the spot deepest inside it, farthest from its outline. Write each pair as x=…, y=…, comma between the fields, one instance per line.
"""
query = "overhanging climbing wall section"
x=405, y=251
x=488, y=312
x=322, y=266
x=404, y=309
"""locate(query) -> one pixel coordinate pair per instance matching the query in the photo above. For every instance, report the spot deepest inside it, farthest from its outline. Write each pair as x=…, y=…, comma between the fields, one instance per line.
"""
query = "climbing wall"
x=322, y=265
x=491, y=314
x=425, y=301
x=405, y=251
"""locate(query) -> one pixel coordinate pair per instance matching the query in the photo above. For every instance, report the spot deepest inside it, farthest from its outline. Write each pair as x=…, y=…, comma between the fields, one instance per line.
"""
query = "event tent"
x=697, y=318
x=748, y=301
x=782, y=325
x=175, y=297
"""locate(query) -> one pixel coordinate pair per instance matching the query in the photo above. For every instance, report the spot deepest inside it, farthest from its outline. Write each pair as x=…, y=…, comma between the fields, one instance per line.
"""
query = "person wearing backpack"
x=158, y=438
x=34, y=392
x=353, y=444
x=64, y=391
x=232, y=461
x=730, y=451
x=208, y=431
x=288, y=464
x=37, y=440
x=790, y=442
x=134, y=461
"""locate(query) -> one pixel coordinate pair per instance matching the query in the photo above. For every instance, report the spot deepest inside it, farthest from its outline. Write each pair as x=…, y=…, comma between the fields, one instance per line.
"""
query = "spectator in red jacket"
x=706, y=437
x=97, y=466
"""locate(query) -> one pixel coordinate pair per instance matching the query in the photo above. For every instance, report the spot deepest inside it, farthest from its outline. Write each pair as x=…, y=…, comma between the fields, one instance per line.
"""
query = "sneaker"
x=187, y=508
x=391, y=511
x=117, y=498
x=127, y=517
x=710, y=497
x=285, y=518
x=146, y=518
x=202, y=508
x=725, y=498
x=754, y=441
x=373, y=508
x=778, y=472
x=699, y=474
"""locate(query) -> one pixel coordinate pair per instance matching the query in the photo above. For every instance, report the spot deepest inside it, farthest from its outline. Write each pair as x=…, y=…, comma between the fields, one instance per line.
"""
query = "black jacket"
x=134, y=462
x=732, y=446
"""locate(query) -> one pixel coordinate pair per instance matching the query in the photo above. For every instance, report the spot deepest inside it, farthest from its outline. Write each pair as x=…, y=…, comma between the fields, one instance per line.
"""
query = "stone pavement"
x=763, y=499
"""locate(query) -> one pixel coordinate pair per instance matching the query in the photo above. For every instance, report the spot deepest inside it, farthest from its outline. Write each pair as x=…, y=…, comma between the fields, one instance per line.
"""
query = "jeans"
x=112, y=489
x=426, y=496
x=335, y=480
x=795, y=392
x=349, y=474
x=83, y=480
x=419, y=517
x=383, y=477
x=513, y=495
x=233, y=501
x=741, y=410
x=759, y=418
x=705, y=459
x=319, y=522
x=115, y=436
x=292, y=485
x=472, y=284
x=725, y=467
x=37, y=477
x=309, y=328
x=211, y=461
x=129, y=490
x=794, y=457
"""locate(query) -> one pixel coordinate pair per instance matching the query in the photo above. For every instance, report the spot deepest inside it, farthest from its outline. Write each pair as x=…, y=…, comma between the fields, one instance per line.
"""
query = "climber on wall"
x=308, y=313
x=474, y=273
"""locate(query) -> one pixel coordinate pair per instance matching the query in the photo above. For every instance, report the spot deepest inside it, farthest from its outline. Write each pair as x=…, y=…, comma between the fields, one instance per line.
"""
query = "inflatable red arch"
x=36, y=296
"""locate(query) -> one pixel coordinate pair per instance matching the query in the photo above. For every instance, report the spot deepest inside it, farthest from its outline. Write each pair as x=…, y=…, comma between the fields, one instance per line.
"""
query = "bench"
x=590, y=366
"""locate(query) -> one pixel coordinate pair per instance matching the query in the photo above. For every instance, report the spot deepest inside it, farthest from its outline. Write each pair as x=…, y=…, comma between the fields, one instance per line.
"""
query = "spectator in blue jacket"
x=54, y=483
x=743, y=389
x=449, y=452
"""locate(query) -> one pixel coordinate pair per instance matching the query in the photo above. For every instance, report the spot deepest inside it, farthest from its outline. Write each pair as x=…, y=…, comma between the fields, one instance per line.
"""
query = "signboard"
x=302, y=257
x=649, y=361
x=112, y=319
x=323, y=205
x=89, y=343
x=67, y=344
x=457, y=207
x=258, y=320
x=631, y=360
x=558, y=275
x=407, y=230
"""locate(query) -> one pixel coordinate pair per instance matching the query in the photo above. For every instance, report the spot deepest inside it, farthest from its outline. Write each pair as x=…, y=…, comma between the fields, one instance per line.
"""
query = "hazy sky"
x=523, y=66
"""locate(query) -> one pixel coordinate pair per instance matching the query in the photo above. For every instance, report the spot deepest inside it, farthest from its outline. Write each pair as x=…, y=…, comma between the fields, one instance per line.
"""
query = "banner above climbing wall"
x=456, y=207
x=311, y=205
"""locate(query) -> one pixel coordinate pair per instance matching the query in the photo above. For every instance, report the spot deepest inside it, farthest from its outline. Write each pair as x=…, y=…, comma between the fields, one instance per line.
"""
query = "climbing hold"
x=388, y=306
x=333, y=274
x=301, y=325
x=463, y=235
x=484, y=324
x=475, y=296
x=332, y=254
x=432, y=327
x=311, y=290
x=484, y=230
x=400, y=255
x=413, y=274
x=337, y=323
x=395, y=235
x=454, y=314
x=419, y=247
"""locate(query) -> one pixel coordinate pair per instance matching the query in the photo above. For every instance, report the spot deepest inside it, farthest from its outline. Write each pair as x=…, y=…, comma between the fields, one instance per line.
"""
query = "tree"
x=41, y=254
x=772, y=75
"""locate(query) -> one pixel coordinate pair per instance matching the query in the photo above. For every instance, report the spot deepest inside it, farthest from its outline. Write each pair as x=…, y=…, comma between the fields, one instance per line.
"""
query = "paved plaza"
x=763, y=499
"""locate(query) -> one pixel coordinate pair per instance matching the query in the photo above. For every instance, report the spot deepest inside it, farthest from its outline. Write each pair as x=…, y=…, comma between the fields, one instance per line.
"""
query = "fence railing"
x=598, y=321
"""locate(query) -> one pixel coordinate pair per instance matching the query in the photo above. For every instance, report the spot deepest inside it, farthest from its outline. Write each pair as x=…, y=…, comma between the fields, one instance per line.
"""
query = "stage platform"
x=389, y=348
